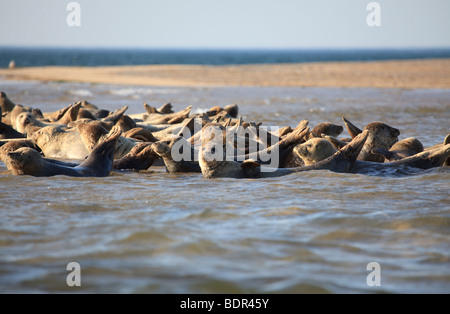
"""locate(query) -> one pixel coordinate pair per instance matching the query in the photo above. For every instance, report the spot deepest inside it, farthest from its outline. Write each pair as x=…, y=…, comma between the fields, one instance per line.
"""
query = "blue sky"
x=226, y=24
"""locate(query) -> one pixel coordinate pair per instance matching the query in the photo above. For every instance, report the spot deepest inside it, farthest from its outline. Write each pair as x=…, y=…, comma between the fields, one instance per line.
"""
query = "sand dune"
x=433, y=73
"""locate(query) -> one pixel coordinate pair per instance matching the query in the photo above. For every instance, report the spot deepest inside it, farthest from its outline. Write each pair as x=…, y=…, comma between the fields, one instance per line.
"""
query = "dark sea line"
x=28, y=57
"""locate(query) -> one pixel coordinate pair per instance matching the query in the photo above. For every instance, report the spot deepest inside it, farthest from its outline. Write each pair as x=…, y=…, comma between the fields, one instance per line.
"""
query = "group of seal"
x=216, y=143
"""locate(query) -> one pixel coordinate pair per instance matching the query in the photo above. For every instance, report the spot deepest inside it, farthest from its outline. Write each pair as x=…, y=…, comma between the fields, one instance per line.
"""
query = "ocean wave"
x=80, y=92
x=143, y=91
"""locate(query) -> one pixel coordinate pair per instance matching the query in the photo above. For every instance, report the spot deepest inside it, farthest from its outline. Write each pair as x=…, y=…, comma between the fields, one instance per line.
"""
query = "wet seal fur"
x=27, y=161
x=434, y=157
x=314, y=150
x=164, y=149
x=405, y=148
x=12, y=146
x=213, y=168
x=141, y=157
x=6, y=104
x=341, y=161
x=56, y=142
x=327, y=128
x=381, y=136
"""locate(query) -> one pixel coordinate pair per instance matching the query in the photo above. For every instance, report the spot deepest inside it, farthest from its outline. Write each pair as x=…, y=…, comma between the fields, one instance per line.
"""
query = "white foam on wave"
x=80, y=92
x=200, y=111
x=129, y=91
x=143, y=91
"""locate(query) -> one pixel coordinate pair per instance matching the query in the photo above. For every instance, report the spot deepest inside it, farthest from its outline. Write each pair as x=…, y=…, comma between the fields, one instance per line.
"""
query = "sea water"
x=154, y=232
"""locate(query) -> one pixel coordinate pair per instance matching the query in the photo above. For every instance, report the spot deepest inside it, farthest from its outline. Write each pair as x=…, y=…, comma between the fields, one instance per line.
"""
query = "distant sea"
x=28, y=57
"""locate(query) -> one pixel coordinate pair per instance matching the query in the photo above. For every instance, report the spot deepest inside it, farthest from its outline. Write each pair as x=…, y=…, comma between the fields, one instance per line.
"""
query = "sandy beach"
x=432, y=73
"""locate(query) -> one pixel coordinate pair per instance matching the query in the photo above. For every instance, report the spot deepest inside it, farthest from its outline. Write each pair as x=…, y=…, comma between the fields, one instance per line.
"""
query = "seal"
x=26, y=119
x=12, y=146
x=381, y=136
x=5, y=103
x=86, y=114
x=57, y=115
x=337, y=143
x=187, y=124
x=327, y=128
x=27, y=161
x=314, y=150
x=283, y=149
x=171, y=118
x=232, y=110
x=141, y=157
x=114, y=117
x=405, y=148
x=215, y=162
x=7, y=132
x=56, y=142
x=166, y=109
x=446, y=141
x=351, y=128
x=434, y=157
x=70, y=115
x=93, y=132
x=164, y=149
x=341, y=161
x=126, y=123
x=18, y=109
x=140, y=134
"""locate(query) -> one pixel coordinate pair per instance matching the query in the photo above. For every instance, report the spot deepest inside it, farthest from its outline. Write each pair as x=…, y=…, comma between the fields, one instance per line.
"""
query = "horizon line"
x=224, y=48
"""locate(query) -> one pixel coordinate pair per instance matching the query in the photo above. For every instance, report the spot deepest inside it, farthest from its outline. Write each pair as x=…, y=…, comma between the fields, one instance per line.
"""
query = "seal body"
x=27, y=161
x=381, y=136
x=56, y=142
x=314, y=150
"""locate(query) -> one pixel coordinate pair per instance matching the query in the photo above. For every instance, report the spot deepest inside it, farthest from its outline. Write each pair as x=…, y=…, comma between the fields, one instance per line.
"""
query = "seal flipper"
x=189, y=125
x=338, y=144
x=56, y=116
x=428, y=159
x=116, y=115
x=352, y=149
x=7, y=132
x=181, y=116
x=5, y=103
x=296, y=136
x=91, y=133
x=390, y=156
x=141, y=157
x=71, y=114
x=140, y=134
x=447, y=141
x=99, y=163
x=166, y=109
x=440, y=157
x=251, y=169
x=352, y=129
x=150, y=109
x=61, y=163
